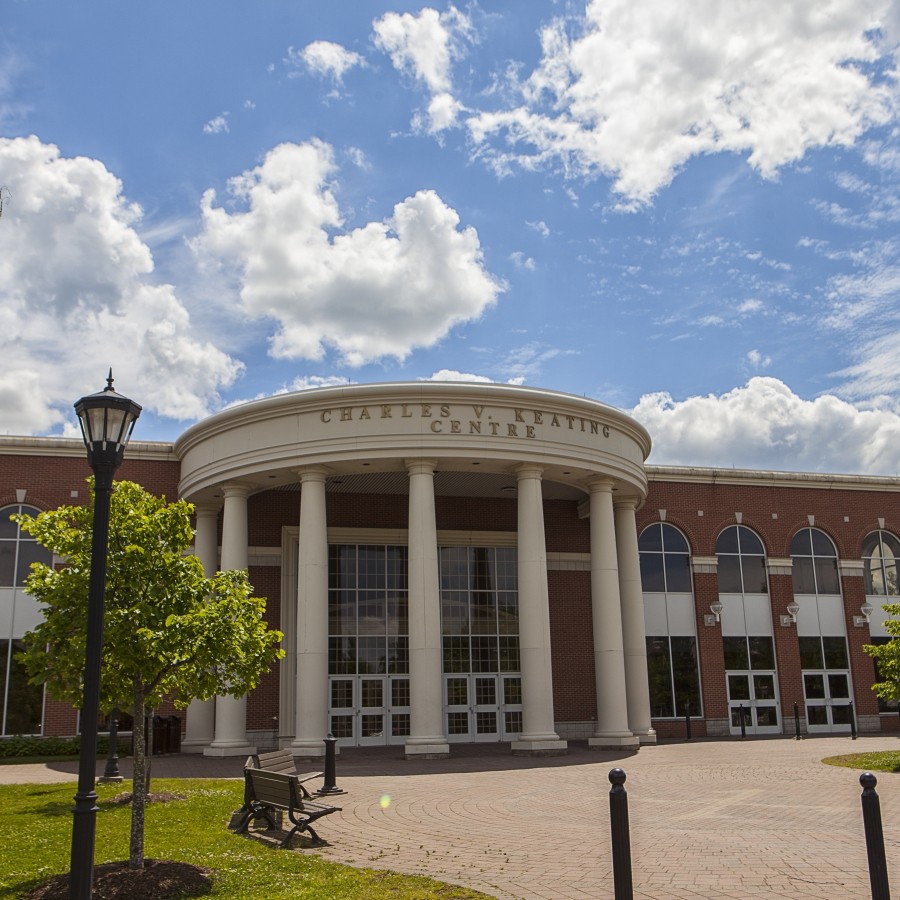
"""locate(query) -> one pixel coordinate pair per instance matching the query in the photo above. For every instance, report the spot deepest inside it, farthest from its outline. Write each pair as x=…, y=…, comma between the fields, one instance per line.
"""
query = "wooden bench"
x=267, y=792
x=279, y=761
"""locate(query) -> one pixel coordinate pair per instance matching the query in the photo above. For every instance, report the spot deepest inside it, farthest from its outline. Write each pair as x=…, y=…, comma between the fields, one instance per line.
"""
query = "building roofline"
x=818, y=480
x=12, y=445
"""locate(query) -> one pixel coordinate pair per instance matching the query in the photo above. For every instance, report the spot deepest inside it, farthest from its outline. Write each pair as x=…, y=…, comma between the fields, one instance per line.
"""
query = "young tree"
x=169, y=632
x=887, y=657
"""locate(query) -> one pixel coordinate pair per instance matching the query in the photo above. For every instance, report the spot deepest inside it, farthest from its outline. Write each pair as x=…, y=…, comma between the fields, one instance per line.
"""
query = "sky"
x=688, y=211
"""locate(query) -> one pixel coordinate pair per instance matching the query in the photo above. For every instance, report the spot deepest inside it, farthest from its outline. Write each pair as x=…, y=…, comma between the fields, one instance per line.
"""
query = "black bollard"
x=852, y=721
x=111, y=772
x=329, y=787
x=743, y=724
x=871, y=809
x=687, y=719
x=621, y=840
x=797, y=720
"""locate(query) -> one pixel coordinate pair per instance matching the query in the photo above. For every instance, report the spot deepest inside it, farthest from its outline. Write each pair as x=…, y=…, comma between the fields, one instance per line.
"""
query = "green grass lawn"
x=880, y=761
x=36, y=830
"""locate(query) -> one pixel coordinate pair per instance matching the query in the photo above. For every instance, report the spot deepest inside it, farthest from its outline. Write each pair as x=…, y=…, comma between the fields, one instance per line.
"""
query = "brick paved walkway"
x=710, y=819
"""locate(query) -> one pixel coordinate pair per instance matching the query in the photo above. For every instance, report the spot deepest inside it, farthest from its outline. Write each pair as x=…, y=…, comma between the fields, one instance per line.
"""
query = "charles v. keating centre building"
x=455, y=563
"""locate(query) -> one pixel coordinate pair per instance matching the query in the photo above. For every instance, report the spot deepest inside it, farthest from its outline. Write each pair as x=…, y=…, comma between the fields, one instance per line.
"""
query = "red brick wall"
x=572, y=640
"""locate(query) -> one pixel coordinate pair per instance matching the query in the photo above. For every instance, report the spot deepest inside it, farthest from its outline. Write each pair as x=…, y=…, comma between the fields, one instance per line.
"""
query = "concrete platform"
x=709, y=819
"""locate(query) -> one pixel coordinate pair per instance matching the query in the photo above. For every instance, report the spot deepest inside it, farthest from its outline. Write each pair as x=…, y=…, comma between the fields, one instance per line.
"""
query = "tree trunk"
x=138, y=783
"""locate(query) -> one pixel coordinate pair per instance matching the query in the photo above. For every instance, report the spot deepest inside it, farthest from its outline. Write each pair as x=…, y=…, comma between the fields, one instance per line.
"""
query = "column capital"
x=631, y=503
x=207, y=510
x=420, y=466
x=235, y=489
x=312, y=473
x=529, y=470
x=600, y=484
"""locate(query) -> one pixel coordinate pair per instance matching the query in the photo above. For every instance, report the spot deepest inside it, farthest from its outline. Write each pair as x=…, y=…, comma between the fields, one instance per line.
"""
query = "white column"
x=201, y=714
x=634, y=636
x=426, y=737
x=539, y=735
x=231, y=712
x=311, y=719
x=612, y=730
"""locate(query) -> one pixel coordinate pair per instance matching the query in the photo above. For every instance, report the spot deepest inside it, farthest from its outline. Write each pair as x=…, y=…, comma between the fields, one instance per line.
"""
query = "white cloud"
x=649, y=84
x=218, y=125
x=89, y=303
x=369, y=293
x=326, y=59
x=540, y=227
x=521, y=261
x=453, y=375
x=764, y=425
x=424, y=46
x=758, y=361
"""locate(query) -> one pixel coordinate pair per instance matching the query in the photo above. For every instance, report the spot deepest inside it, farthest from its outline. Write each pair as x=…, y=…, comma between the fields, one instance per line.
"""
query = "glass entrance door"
x=369, y=710
x=752, y=694
x=826, y=683
x=483, y=707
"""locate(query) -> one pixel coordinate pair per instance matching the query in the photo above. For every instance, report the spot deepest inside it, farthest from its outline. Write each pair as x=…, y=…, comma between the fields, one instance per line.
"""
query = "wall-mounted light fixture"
x=866, y=610
x=716, y=610
x=791, y=618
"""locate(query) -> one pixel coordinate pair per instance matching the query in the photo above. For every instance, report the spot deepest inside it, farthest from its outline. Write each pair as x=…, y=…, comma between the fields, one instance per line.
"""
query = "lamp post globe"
x=107, y=420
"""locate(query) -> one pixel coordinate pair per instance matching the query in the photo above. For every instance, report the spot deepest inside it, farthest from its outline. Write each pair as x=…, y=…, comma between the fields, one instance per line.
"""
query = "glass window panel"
x=371, y=725
x=400, y=692
x=651, y=538
x=342, y=694
x=25, y=702
x=371, y=692
x=835, y=653
x=457, y=692
x=678, y=573
x=764, y=687
x=802, y=575
x=816, y=714
x=729, y=575
x=755, y=579
x=457, y=723
x=400, y=725
x=507, y=613
x=811, y=653
x=512, y=691
x=456, y=654
x=838, y=687
x=7, y=563
x=31, y=552
x=652, y=579
x=738, y=687
x=749, y=542
x=814, y=687
x=484, y=654
x=766, y=716
x=801, y=544
x=8, y=528
x=371, y=654
x=737, y=712
x=485, y=691
x=397, y=607
x=341, y=656
x=874, y=574
x=890, y=577
x=486, y=722
x=727, y=541
x=342, y=612
x=685, y=674
x=735, y=649
x=371, y=613
x=821, y=543
x=342, y=726
x=762, y=652
x=659, y=674
x=840, y=714
x=455, y=612
x=398, y=655
x=513, y=722
x=871, y=545
x=509, y=654
x=674, y=541
x=484, y=613
x=827, y=579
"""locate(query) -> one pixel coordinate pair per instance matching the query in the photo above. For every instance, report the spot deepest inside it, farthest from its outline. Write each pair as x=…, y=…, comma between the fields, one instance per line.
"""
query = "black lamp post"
x=107, y=420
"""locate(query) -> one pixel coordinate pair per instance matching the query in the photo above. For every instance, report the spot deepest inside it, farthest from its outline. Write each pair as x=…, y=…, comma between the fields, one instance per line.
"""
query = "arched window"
x=880, y=552
x=665, y=560
x=20, y=702
x=742, y=562
x=815, y=568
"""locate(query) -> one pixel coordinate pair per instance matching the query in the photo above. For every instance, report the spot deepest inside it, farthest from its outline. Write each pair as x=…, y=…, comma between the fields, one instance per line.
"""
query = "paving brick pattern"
x=723, y=819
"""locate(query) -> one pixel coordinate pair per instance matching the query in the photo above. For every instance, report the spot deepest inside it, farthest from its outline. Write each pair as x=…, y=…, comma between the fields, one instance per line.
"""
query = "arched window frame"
x=665, y=556
x=814, y=568
x=741, y=570
x=881, y=564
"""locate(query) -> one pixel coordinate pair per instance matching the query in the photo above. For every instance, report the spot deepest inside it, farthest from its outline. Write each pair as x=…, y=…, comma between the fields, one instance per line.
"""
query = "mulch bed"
x=160, y=879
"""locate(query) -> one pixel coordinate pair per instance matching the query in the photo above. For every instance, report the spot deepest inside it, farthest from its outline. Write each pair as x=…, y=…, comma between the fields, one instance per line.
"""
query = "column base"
x=532, y=747
x=613, y=742
x=311, y=750
x=646, y=737
x=229, y=749
x=196, y=745
x=427, y=748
